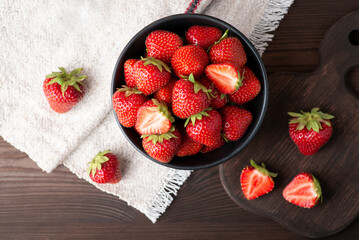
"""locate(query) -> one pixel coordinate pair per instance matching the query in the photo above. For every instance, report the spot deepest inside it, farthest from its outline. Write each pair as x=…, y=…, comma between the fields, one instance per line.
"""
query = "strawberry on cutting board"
x=189, y=97
x=162, y=44
x=203, y=36
x=153, y=117
x=126, y=102
x=162, y=147
x=64, y=90
x=304, y=191
x=105, y=168
x=256, y=181
x=189, y=59
x=228, y=50
x=249, y=87
x=151, y=74
x=310, y=130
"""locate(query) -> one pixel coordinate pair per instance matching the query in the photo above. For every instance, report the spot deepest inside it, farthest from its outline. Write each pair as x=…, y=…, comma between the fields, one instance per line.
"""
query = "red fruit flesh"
x=206, y=130
x=235, y=122
x=151, y=119
x=203, y=36
x=185, y=102
x=126, y=107
x=110, y=171
x=229, y=50
x=254, y=183
x=224, y=76
x=128, y=67
x=163, y=151
x=162, y=44
x=249, y=90
x=303, y=191
x=165, y=93
x=189, y=59
x=58, y=102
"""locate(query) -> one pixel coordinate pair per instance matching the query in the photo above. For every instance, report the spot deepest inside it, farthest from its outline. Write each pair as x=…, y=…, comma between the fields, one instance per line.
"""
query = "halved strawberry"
x=256, y=181
x=153, y=117
x=225, y=77
x=304, y=191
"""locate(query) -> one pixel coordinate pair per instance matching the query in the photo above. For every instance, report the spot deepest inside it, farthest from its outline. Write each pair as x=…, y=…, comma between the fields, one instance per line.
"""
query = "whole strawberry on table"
x=177, y=98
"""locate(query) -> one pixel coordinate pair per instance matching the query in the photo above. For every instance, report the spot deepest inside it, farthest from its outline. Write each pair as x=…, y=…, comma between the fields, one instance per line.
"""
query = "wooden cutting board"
x=336, y=165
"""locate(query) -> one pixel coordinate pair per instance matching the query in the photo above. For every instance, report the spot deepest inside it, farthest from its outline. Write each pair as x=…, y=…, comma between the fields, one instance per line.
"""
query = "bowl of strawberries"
x=189, y=91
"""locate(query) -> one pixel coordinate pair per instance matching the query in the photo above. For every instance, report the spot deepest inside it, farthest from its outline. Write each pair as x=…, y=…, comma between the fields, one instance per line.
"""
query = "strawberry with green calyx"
x=235, y=122
x=189, y=97
x=310, y=130
x=153, y=117
x=162, y=44
x=228, y=50
x=189, y=59
x=203, y=36
x=256, y=180
x=162, y=147
x=304, y=191
x=64, y=90
x=249, y=89
x=151, y=74
x=205, y=127
x=126, y=102
x=225, y=77
x=105, y=168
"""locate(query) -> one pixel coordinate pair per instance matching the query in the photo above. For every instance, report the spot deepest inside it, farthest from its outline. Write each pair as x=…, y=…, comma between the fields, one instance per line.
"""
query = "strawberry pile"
x=186, y=96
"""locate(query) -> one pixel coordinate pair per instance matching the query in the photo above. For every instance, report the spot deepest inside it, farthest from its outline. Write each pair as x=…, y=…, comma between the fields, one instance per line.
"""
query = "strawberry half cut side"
x=256, y=181
x=153, y=117
x=225, y=77
x=304, y=191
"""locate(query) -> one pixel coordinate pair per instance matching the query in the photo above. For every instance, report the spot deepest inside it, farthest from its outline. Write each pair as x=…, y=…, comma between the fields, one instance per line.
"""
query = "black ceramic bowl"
x=179, y=24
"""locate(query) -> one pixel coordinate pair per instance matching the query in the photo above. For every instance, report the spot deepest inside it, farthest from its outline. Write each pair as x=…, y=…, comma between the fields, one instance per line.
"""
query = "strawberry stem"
x=262, y=169
x=310, y=120
x=158, y=63
x=222, y=37
x=96, y=162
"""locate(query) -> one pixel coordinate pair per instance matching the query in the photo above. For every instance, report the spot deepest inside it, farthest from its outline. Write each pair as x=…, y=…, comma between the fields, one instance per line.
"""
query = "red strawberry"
x=162, y=44
x=304, y=191
x=151, y=74
x=203, y=36
x=188, y=146
x=205, y=127
x=228, y=50
x=217, y=145
x=165, y=93
x=189, y=59
x=225, y=77
x=162, y=147
x=105, y=168
x=64, y=90
x=256, y=181
x=128, y=70
x=310, y=130
x=189, y=97
x=235, y=122
x=218, y=100
x=153, y=117
x=126, y=102
x=249, y=88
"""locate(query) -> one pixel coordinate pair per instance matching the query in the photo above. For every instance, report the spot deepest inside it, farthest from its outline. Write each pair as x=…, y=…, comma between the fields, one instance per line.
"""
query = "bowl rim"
x=264, y=88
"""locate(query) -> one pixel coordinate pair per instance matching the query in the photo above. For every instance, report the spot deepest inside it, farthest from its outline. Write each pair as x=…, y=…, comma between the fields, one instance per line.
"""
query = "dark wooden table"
x=37, y=205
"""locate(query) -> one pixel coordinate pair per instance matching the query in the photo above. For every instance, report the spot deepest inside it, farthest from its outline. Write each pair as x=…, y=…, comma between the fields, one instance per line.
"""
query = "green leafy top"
x=162, y=107
x=158, y=63
x=129, y=91
x=160, y=137
x=262, y=169
x=65, y=79
x=225, y=34
x=198, y=116
x=310, y=120
x=197, y=86
x=96, y=162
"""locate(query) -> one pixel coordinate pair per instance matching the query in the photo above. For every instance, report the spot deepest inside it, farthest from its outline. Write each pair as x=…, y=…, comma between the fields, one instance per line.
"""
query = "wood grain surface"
x=335, y=165
x=37, y=205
